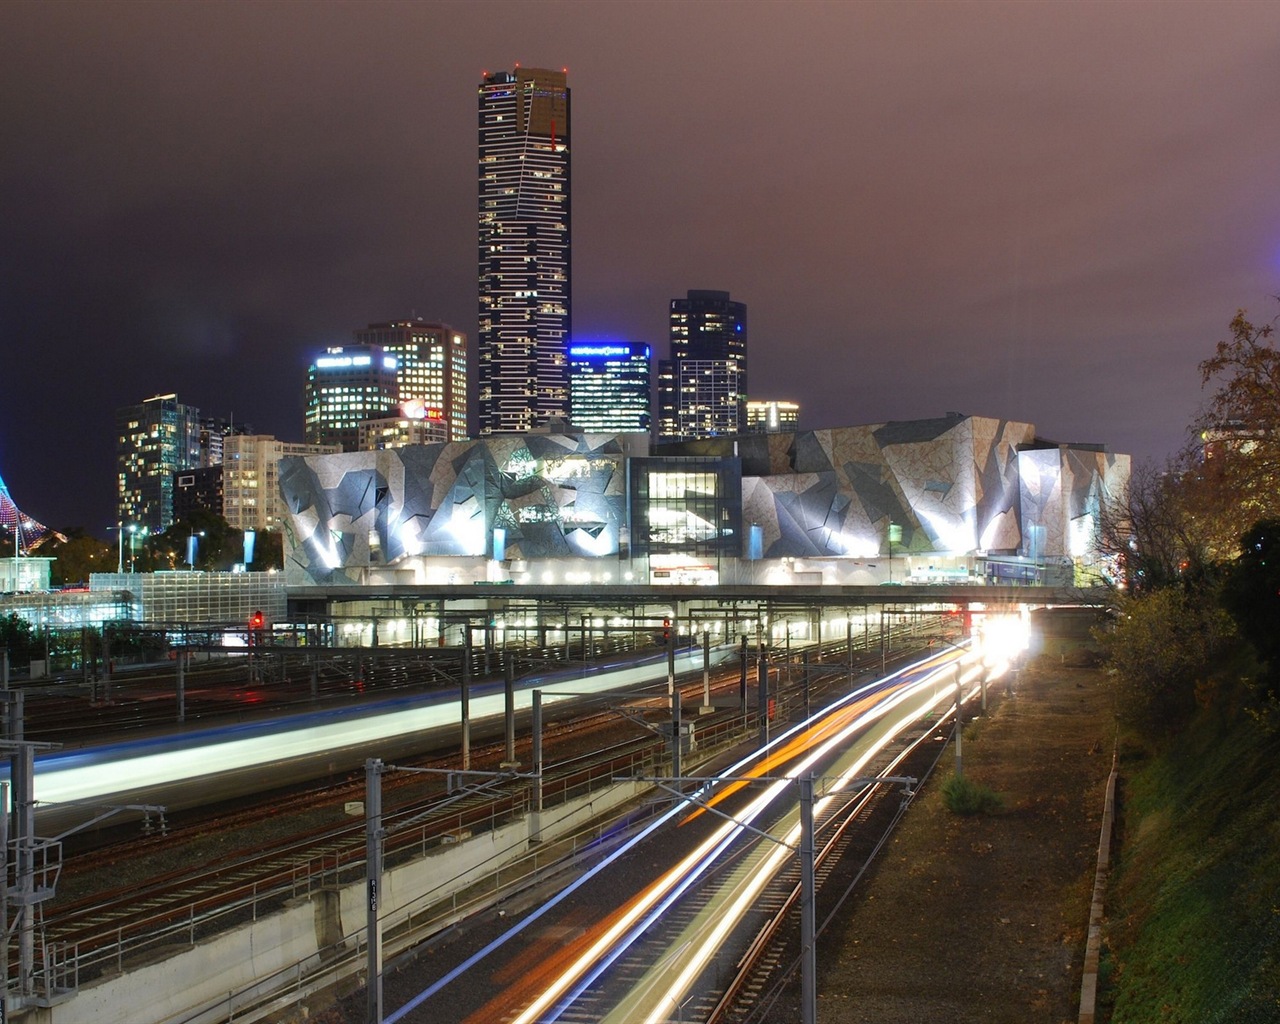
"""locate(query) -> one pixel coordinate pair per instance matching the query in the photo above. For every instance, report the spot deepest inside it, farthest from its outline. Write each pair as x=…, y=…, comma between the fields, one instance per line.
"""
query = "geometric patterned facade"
x=958, y=487
x=1063, y=490
x=950, y=484
x=542, y=495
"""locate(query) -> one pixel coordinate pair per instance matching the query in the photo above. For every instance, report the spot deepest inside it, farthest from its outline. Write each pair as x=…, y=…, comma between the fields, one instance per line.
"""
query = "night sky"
x=1043, y=212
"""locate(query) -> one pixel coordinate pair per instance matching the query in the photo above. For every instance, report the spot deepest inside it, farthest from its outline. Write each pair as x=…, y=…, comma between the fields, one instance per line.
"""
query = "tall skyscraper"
x=524, y=250
x=346, y=386
x=609, y=387
x=154, y=440
x=431, y=369
x=702, y=388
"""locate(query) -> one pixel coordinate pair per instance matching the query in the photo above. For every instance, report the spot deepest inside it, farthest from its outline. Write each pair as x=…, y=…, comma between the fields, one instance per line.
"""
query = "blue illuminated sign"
x=599, y=351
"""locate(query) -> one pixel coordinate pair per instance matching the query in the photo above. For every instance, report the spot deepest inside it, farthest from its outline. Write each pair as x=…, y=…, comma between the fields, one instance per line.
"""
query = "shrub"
x=961, y=795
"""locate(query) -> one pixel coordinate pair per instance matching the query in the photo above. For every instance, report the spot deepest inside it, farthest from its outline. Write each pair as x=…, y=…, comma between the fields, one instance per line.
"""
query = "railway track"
x=101, y=931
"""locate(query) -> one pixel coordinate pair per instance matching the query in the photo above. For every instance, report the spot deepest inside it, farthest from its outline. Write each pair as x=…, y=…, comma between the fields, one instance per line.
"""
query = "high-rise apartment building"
x=154, y=440
x=251, y=478
x=702, y=388
x=524, y=250
x=431, y=368
x=609, y=387
x=346, y=386
x=212, y=430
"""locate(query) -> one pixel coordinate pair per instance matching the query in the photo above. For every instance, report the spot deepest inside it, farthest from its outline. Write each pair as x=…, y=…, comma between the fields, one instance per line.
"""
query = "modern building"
x=250, y=478
x=431, y=369
x=154, y=440
x=702, y=388
x=772, y=417
x=212, y=430
x=195, y=489
x=954, y=499
x=610, y=387
x=346, y=386
x=524, y=250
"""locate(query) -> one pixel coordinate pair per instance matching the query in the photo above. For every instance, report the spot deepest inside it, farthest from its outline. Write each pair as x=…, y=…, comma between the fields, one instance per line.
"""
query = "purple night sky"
x=1037, y=211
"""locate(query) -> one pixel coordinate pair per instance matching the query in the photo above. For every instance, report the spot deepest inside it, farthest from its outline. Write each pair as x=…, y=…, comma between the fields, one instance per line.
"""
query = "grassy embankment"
x=1194, y=909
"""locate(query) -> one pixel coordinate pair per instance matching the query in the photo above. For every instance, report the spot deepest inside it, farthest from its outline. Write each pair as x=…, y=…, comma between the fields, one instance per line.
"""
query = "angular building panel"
x=957, y=495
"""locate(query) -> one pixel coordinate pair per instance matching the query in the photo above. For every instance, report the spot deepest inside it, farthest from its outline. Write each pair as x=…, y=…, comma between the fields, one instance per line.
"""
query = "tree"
x=77, y=556
x=17, y=635
x=1156, y=529
x=1251, y=593
x=217, y=544
x=1165, y=648
x=1239, y=429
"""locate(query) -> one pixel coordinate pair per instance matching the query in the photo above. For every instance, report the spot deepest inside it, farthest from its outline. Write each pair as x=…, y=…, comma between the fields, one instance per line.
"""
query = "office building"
x=346, y=386
x=772, y=417
x=702, y=388
x=154, y=440
x=197, y=489
x=609, y=387
x=431, y=369
x=524, y=250
x=250, y=478
x=413, y=426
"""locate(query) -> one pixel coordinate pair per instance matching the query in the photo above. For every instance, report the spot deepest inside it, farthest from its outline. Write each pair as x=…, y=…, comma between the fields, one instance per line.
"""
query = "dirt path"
x=983, y=919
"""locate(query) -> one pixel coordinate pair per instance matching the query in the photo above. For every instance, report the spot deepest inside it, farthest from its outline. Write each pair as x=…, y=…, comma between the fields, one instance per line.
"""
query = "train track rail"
x=100, y=931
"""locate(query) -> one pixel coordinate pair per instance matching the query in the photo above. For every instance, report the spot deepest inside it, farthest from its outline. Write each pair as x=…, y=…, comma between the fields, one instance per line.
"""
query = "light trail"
x=815, y=742
x=96, y=775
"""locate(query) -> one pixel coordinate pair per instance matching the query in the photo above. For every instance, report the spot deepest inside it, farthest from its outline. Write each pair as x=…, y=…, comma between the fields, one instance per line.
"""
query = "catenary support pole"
x=182, y=684
x=808, y=912
x=373, y=886
x=509, y=705
x=762, y=696
x=535, y=826
x=465, y=697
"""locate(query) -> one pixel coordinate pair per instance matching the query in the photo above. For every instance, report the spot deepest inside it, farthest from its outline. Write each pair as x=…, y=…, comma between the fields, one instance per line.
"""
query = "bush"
x=961, y=795
x=1165, y=648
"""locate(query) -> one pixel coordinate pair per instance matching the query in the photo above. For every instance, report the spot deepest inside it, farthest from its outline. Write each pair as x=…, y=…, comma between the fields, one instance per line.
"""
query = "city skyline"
x=1047, y=213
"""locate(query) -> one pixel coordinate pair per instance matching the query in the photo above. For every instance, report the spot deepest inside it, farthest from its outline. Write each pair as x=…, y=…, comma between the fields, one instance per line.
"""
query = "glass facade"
x=702, y=388
x=688, y=507
x=609, y=387
x=524, y=250
x=154, y=440
x=345, y=387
